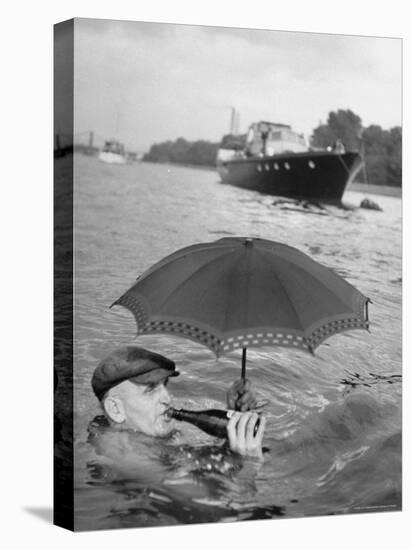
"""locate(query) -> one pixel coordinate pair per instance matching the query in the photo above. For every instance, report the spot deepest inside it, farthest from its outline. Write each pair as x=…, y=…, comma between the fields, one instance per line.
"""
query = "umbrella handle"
x=243, y=364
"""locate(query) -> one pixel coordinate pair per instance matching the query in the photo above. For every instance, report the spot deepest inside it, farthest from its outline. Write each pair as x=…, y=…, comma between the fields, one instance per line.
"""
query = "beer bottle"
x=212, y=421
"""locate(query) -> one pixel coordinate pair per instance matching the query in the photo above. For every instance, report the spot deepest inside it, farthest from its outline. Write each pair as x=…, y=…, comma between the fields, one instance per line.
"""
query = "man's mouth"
x=165, y=415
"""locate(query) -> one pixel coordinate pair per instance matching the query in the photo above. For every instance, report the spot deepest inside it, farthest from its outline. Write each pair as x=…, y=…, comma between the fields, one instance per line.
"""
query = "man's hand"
x=240, y=430
x=240, y=396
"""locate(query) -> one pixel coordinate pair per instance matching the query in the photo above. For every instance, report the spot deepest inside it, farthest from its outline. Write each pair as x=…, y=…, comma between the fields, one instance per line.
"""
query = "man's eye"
x=149, y=388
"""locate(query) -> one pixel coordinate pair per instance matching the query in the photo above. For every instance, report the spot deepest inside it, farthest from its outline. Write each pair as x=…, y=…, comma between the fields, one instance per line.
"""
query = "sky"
x=145, y=83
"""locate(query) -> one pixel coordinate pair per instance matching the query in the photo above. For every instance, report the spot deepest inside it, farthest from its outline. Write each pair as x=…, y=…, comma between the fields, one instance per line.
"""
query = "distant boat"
x=275, y=160
x=113, y=152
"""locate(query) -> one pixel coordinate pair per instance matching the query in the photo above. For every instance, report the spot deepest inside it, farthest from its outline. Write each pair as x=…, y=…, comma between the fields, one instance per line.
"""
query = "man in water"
x=131, y=383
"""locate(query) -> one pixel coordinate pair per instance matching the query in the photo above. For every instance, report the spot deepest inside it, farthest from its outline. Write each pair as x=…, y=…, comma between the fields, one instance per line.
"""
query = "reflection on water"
x=334, y=420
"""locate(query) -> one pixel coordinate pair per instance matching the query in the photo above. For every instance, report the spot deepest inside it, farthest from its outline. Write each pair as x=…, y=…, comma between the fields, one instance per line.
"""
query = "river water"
x=333, y=420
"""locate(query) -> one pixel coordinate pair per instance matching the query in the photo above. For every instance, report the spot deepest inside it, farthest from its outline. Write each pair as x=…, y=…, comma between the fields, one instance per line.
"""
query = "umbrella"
x=239, y=292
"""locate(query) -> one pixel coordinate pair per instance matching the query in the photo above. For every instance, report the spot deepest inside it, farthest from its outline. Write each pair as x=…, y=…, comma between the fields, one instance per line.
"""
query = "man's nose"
x=165, y=396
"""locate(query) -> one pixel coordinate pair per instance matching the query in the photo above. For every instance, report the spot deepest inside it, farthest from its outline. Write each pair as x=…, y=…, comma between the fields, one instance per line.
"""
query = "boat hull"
x=316, y=176
x=112, y=158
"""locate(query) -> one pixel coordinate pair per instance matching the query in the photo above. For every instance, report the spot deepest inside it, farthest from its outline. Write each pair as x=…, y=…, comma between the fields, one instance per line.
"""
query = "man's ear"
x=114, y=409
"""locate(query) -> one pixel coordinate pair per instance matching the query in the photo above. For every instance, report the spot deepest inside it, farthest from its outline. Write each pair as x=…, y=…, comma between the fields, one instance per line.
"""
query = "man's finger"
x=247, y=405
x=247, y=398
x=261, y=429
x=231, y=401
x=241, y=427
x=237, y=386
x=261, y=404
x=247, y=385
x=231, y=428
x=246, y=401
x=244, y=398
x=250, y=427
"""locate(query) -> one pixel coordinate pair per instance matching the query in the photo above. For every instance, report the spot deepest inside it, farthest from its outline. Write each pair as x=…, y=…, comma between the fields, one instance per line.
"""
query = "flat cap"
x=137, y=365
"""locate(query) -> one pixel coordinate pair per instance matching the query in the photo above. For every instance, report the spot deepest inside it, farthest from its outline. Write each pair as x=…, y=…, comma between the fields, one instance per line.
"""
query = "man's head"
x=131, y=384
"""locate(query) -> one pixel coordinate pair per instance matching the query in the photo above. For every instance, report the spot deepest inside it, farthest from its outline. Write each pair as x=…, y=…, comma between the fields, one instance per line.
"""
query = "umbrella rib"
x=191, y=276
x=321, y=283
x=234, y=268
x=286, y=294
x=178, y=255
x=310, y=263
x=328, y=288
x=229, y=253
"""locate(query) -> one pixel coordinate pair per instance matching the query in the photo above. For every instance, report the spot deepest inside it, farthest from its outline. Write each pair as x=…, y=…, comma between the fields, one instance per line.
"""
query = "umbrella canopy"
x=239, y=292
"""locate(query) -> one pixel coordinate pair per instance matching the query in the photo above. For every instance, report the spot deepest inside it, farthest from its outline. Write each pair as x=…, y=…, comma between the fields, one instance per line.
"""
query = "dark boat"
x=276, y=161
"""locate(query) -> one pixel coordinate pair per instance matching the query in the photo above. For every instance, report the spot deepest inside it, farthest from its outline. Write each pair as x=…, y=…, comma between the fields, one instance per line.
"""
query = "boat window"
x=259, y=167
x=276, y=166
x=287, y=166
x=267, y=167
x=311, y=164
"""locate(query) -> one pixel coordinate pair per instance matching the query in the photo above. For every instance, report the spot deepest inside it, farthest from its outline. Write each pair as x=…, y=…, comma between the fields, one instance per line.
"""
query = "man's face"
x=144, y=407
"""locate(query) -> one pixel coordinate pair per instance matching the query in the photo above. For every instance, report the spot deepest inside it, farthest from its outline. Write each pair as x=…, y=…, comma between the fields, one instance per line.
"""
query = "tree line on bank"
x=181, y=151
x=381, y=149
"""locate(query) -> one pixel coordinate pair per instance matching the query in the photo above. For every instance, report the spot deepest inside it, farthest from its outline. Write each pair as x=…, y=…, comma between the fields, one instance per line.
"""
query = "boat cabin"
x=271, y=138
x=113, y=146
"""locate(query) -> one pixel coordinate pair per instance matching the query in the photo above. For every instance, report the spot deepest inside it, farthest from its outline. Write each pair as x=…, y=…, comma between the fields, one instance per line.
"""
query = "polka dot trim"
x=184, y=329
x=253, y=339
x=221, y=345
x=334, y=327
x=129, y=302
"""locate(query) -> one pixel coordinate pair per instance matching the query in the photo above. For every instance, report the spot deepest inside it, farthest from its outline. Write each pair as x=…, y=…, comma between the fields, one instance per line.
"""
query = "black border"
x=63, y=274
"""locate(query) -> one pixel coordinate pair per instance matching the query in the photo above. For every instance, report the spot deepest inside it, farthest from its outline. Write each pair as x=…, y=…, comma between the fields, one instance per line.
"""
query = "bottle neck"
x=182, y=414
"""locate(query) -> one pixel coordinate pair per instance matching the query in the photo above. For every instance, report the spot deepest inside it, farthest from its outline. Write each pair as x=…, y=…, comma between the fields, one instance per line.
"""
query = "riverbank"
x=203, y=167
x=370, y=189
